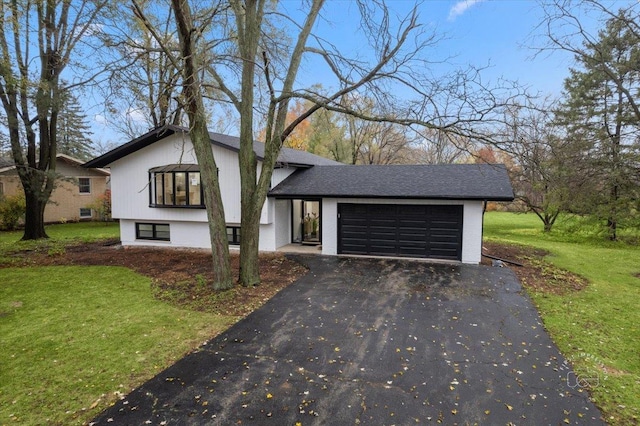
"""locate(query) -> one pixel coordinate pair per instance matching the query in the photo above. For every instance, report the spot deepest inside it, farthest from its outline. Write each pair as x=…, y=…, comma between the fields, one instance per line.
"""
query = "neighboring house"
x=77, y=188
x=408, y=211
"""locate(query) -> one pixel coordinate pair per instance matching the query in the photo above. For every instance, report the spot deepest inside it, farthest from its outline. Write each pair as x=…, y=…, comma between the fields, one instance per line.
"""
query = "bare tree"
x=144, y=88
x=194, y=106
x=38, y=41
x=440, y=147
x=547, y=165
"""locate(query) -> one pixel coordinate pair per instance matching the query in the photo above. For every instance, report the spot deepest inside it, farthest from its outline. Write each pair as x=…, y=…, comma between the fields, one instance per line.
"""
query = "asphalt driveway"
x=378, y=342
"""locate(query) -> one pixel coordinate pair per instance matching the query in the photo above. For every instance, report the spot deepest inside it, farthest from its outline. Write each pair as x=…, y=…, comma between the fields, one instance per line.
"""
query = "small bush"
x=12, y=211
x=102, y=206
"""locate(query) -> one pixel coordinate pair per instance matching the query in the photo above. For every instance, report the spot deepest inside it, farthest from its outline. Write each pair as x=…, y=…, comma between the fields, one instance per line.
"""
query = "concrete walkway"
x=376, y=342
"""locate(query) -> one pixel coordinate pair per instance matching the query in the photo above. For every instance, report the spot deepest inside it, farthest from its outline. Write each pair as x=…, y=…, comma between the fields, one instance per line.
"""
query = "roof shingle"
x=447, y=181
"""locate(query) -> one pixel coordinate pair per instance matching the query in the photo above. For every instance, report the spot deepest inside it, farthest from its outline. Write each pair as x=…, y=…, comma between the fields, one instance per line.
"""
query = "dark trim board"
x=421, y=231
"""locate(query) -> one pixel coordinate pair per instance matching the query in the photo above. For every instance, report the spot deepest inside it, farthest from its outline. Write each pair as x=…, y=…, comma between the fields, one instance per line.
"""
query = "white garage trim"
x=471, y=232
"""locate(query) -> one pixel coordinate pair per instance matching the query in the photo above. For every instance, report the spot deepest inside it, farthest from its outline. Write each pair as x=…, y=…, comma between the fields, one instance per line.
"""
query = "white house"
x=420, y=211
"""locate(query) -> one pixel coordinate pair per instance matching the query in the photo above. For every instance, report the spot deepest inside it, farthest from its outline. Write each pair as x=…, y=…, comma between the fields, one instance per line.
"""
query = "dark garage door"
x=400, y=230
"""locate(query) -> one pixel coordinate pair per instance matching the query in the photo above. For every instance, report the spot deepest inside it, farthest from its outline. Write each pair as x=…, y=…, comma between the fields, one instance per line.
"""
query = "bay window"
x=175, y=185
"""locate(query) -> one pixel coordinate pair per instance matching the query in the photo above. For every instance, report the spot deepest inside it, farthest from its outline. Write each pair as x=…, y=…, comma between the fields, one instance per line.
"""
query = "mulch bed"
x=182, y=277
x=535, y=274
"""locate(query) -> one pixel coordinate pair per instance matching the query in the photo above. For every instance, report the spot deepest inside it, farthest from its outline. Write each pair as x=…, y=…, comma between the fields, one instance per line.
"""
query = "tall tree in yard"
x=74, y=130
x=38, y=41
x=546, y=167
x=600, y=110
x=194, y=107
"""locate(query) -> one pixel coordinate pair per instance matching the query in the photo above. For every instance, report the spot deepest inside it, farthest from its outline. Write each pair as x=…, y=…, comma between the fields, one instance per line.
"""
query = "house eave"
x=132, y=146
x=391, y=197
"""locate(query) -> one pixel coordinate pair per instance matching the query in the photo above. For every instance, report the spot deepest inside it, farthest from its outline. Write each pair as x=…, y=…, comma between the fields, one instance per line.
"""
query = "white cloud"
x=100, y=119
x=461, y=7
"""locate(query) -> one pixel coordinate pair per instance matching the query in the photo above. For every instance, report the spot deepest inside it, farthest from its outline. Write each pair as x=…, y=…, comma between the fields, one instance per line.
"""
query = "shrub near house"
x=12, y=210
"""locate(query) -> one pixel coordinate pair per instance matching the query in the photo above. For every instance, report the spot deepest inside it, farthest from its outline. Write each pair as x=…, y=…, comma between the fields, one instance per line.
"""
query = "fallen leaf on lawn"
x=487, y=412
x=508, y=407
x=269, y=396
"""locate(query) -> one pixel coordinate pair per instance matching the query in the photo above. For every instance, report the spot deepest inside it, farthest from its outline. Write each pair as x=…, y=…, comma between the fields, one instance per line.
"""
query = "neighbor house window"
x=1, y=188
x=176, y=185
x=233, y=235
x=85, y=213
x=84, y=184
x=152, y=231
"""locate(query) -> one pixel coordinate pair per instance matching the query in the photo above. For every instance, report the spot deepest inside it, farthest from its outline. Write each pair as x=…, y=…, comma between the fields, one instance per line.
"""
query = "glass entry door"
x=306, y=222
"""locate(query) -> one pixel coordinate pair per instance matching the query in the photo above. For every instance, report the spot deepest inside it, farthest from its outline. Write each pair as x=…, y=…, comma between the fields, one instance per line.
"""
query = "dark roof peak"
x=287, y=155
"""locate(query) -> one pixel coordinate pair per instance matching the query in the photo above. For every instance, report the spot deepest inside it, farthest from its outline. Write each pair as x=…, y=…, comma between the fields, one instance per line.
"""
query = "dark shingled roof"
x=287, y=155
x=447, y=181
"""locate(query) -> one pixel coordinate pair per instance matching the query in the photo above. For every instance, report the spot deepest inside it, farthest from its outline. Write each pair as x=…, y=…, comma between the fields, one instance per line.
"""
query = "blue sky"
x=496, y=34
x=483, y=33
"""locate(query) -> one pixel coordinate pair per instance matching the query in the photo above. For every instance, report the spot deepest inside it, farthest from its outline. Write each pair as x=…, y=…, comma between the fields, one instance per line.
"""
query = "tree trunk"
x=223, y=278
x=612, y=221
x=199, y=133
x=249, y=248
x=34, y=217
x=249, y=21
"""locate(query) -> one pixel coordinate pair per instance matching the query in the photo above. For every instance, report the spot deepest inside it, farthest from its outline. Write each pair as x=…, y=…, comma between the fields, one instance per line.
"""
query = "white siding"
x=130, y=185
x=472, y=235
x=267, y=216
x=182, y=234
x=282, y=222
x=130, y=189
x=471, y=231
x=281, y=174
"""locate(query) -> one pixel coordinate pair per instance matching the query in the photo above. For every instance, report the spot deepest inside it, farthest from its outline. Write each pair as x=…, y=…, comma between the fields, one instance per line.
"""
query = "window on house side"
x=85, y=213
x=84, y=185
x=153, y=231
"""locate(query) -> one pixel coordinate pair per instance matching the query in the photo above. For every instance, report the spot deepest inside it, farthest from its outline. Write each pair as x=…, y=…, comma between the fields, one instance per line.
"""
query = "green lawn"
x=60, y=235
x=73, y=338
x=598, y=329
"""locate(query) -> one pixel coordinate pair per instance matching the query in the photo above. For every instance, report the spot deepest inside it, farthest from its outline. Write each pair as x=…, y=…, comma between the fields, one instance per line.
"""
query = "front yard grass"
x=75, y=338
x=75, y=334
x=597, y=328
x=60, y=235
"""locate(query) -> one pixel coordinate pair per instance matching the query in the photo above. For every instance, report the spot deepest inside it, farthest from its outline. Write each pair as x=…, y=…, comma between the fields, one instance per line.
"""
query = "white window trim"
x=84, y=193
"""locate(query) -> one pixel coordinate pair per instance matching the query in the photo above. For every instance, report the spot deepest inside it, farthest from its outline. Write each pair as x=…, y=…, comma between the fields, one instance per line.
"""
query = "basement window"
x=153, y=231
x=233, y=235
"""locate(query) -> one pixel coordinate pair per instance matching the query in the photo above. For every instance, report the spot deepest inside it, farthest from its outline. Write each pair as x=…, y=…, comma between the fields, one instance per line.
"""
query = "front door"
x=306, y=222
